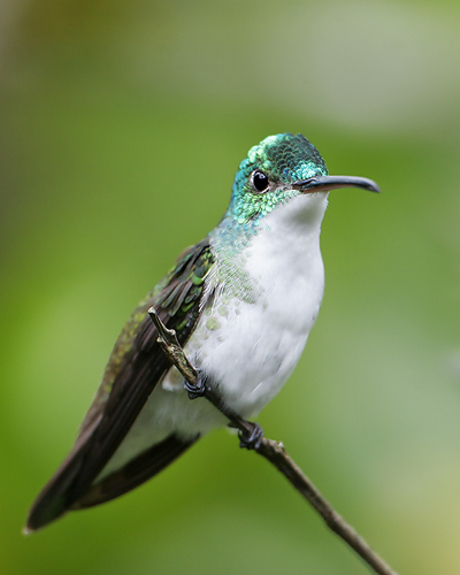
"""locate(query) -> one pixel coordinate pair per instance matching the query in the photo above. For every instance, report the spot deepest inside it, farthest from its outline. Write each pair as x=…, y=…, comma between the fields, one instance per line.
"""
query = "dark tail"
x=61, y=495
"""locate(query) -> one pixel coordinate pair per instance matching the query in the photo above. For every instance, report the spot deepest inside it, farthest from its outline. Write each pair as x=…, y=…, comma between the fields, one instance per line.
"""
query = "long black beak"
x=326, y=183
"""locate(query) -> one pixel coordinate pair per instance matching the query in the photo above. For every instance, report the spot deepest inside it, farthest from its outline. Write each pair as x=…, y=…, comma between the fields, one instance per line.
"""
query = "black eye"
x=260, y=181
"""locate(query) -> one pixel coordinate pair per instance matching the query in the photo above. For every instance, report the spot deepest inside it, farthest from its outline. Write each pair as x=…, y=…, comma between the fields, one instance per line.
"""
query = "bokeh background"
x=122, y=125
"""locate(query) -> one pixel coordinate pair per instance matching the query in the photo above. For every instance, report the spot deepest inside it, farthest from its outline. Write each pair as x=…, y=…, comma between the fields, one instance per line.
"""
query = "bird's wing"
x=135, y=366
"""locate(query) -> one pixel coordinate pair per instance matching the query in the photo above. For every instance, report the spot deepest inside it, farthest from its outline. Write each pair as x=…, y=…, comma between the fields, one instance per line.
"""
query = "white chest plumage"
x=254, y=345
x=247, y=346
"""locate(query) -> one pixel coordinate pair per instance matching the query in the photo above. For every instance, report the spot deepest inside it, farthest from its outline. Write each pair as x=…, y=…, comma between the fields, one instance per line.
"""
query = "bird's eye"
x=260, y=181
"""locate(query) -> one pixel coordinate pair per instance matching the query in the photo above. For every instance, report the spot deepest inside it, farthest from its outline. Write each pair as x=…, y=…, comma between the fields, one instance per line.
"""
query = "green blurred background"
x=122, y=125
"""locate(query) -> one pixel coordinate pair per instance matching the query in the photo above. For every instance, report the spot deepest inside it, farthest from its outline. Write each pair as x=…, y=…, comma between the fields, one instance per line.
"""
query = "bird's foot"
x=197, y=390
x=251, y=439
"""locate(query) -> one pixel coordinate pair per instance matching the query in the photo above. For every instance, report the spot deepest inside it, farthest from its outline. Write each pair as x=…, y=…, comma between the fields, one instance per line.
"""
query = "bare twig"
x=273, y=451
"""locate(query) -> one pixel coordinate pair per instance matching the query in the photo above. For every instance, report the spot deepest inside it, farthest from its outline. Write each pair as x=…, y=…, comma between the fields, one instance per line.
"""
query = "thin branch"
x=273, y=451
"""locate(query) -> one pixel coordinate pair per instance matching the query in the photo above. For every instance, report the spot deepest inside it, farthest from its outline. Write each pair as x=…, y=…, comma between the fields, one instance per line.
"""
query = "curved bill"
x=326, y=183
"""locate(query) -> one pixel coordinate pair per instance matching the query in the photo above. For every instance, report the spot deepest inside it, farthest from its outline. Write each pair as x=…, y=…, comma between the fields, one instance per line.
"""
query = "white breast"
x=248, y=346
x=249, y=349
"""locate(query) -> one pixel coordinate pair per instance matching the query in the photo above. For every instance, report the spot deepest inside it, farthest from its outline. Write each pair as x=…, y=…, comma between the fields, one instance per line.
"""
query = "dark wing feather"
x=135, y=366
x=135, y=472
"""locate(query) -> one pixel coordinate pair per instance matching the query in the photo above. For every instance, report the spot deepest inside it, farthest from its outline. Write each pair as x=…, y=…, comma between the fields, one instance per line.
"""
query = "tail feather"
x=60, y=495
x=135, y=472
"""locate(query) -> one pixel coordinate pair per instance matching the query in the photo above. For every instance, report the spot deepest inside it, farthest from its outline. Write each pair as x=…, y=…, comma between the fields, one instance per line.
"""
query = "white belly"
x=247, y=347
x=254, y=346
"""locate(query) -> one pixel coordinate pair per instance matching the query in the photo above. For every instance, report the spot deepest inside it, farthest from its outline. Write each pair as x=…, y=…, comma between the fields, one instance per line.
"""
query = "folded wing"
x=136, y=365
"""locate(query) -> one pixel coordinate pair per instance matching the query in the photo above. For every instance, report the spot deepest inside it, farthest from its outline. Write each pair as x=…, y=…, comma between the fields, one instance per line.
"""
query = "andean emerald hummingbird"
x=242, y=302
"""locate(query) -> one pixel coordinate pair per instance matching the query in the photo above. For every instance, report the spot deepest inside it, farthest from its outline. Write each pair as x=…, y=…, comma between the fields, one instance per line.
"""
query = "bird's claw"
x=253, y=438
x=198, y=390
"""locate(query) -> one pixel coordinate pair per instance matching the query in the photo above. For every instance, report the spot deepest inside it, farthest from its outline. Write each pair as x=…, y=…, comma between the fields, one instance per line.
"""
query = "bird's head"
x=278, y=169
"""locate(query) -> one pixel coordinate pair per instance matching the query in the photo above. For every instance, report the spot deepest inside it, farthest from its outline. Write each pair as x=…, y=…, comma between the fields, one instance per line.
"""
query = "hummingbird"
x=242, y=302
